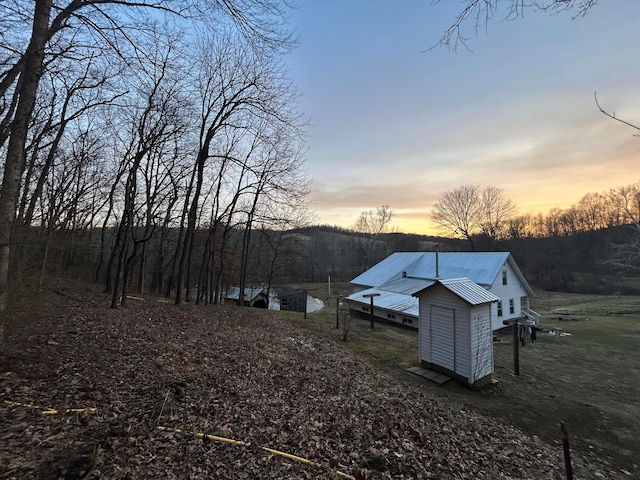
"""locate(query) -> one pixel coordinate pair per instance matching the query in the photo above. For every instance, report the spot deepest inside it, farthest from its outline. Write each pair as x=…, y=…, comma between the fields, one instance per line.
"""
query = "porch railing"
x=531, y=314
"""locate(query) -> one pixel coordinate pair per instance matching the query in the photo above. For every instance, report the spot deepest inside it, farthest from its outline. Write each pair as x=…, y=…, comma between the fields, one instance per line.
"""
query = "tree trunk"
x=14, y=165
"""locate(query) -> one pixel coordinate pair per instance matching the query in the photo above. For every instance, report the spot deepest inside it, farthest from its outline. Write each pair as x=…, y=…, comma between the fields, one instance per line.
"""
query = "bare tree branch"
x=613, y=115
x=479, y=13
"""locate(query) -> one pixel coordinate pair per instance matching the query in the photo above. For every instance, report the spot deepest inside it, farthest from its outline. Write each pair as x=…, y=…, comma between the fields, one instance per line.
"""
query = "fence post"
x=516, y=350
x=567, y=451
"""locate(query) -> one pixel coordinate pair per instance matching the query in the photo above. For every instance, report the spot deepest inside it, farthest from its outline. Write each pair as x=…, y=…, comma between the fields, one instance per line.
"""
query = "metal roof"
x=249, y=293
x=387, y=269
x=480, y=267
x=398, y=302
x=468, y=290
x=407, y=286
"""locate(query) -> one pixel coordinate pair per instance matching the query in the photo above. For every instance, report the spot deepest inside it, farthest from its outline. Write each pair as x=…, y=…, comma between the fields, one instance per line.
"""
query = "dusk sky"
x=395, y=124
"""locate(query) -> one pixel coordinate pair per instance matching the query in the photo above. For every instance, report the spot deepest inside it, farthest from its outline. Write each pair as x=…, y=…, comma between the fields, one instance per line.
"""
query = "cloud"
x=393, y=126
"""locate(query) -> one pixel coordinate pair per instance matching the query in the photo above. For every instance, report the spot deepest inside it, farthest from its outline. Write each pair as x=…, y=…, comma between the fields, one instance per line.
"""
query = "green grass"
x=600, y=335
x=587, y=304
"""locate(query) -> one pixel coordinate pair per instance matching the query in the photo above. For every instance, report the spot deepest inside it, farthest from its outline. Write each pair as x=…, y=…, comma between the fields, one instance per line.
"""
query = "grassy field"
x=589, y=378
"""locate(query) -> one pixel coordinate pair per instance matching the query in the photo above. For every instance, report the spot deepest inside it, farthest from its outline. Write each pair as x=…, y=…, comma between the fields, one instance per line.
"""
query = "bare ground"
x=240, y=374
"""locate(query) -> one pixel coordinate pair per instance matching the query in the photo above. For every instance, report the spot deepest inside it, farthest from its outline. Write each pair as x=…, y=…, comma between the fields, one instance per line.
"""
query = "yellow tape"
x=202, y=435
x=291, y=457
x=270, y=450
x=215, y=438
x=51, y=411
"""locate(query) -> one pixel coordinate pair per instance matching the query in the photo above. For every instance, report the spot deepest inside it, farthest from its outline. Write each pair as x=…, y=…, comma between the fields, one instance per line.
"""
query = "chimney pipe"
x=437, y=270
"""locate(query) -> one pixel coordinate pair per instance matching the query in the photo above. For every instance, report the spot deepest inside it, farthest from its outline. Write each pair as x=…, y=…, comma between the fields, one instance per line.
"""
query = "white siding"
x=442, y=338
x=444, y=331
x=455, y=335
x=481, y=343
x=513, y=290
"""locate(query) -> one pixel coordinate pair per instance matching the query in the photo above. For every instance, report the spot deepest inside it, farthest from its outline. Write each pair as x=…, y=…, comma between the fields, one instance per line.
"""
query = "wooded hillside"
x=572, y=263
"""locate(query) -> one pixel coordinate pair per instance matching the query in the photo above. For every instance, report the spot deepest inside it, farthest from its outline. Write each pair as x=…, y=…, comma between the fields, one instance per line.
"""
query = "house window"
x=500, y=308
x=512, y=306
x=366, y=309
x=504, y=277
x=390, y=315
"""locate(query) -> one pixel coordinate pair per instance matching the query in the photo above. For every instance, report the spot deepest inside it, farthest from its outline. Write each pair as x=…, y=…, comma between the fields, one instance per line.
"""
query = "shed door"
x=443, y=337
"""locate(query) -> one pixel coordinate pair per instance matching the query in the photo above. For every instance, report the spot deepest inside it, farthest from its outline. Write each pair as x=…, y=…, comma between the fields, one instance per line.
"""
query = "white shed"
x=454, y=330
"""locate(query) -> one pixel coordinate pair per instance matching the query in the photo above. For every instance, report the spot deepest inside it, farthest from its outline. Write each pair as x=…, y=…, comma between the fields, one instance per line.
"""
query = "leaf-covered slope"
x=236, y=373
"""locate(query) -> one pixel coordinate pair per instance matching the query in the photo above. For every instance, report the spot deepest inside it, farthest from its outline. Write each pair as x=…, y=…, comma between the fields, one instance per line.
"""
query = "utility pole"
x=370, y=297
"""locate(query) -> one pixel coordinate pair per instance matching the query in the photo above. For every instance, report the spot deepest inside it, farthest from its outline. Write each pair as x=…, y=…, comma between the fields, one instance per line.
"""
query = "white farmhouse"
x=398, y=277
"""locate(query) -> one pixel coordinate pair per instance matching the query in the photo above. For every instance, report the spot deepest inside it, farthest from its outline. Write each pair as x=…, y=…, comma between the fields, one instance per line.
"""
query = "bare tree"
x=229, y=86
x=77, y=98
x=73, y=194
x=277, y=242
x=373, y=223
x=240, y=91
x=476, y=15
x=473, y=210
x=494, y=211
x=155, y=122
x=456, y=212
x=626, y=254
x=279, y=185
x=612, y=115
x=592, y=209
x=68, y=30
x=552, y=222
x=521, y=226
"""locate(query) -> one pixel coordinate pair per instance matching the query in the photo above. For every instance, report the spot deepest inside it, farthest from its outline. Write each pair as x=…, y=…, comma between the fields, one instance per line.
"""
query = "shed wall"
x=481, y=343
x=436, y=339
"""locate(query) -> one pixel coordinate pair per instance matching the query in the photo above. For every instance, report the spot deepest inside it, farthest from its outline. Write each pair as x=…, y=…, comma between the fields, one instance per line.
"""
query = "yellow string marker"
x=215, y=438
x=266, y=449
x=52, y=411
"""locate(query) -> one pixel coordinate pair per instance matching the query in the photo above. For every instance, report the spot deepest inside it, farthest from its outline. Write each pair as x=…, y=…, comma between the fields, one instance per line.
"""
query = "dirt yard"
x=84, y=389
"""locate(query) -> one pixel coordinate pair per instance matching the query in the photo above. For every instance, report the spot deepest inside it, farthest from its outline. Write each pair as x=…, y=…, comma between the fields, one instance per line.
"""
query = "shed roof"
x=466, y=289
x=291, y=292
x=249, y=293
